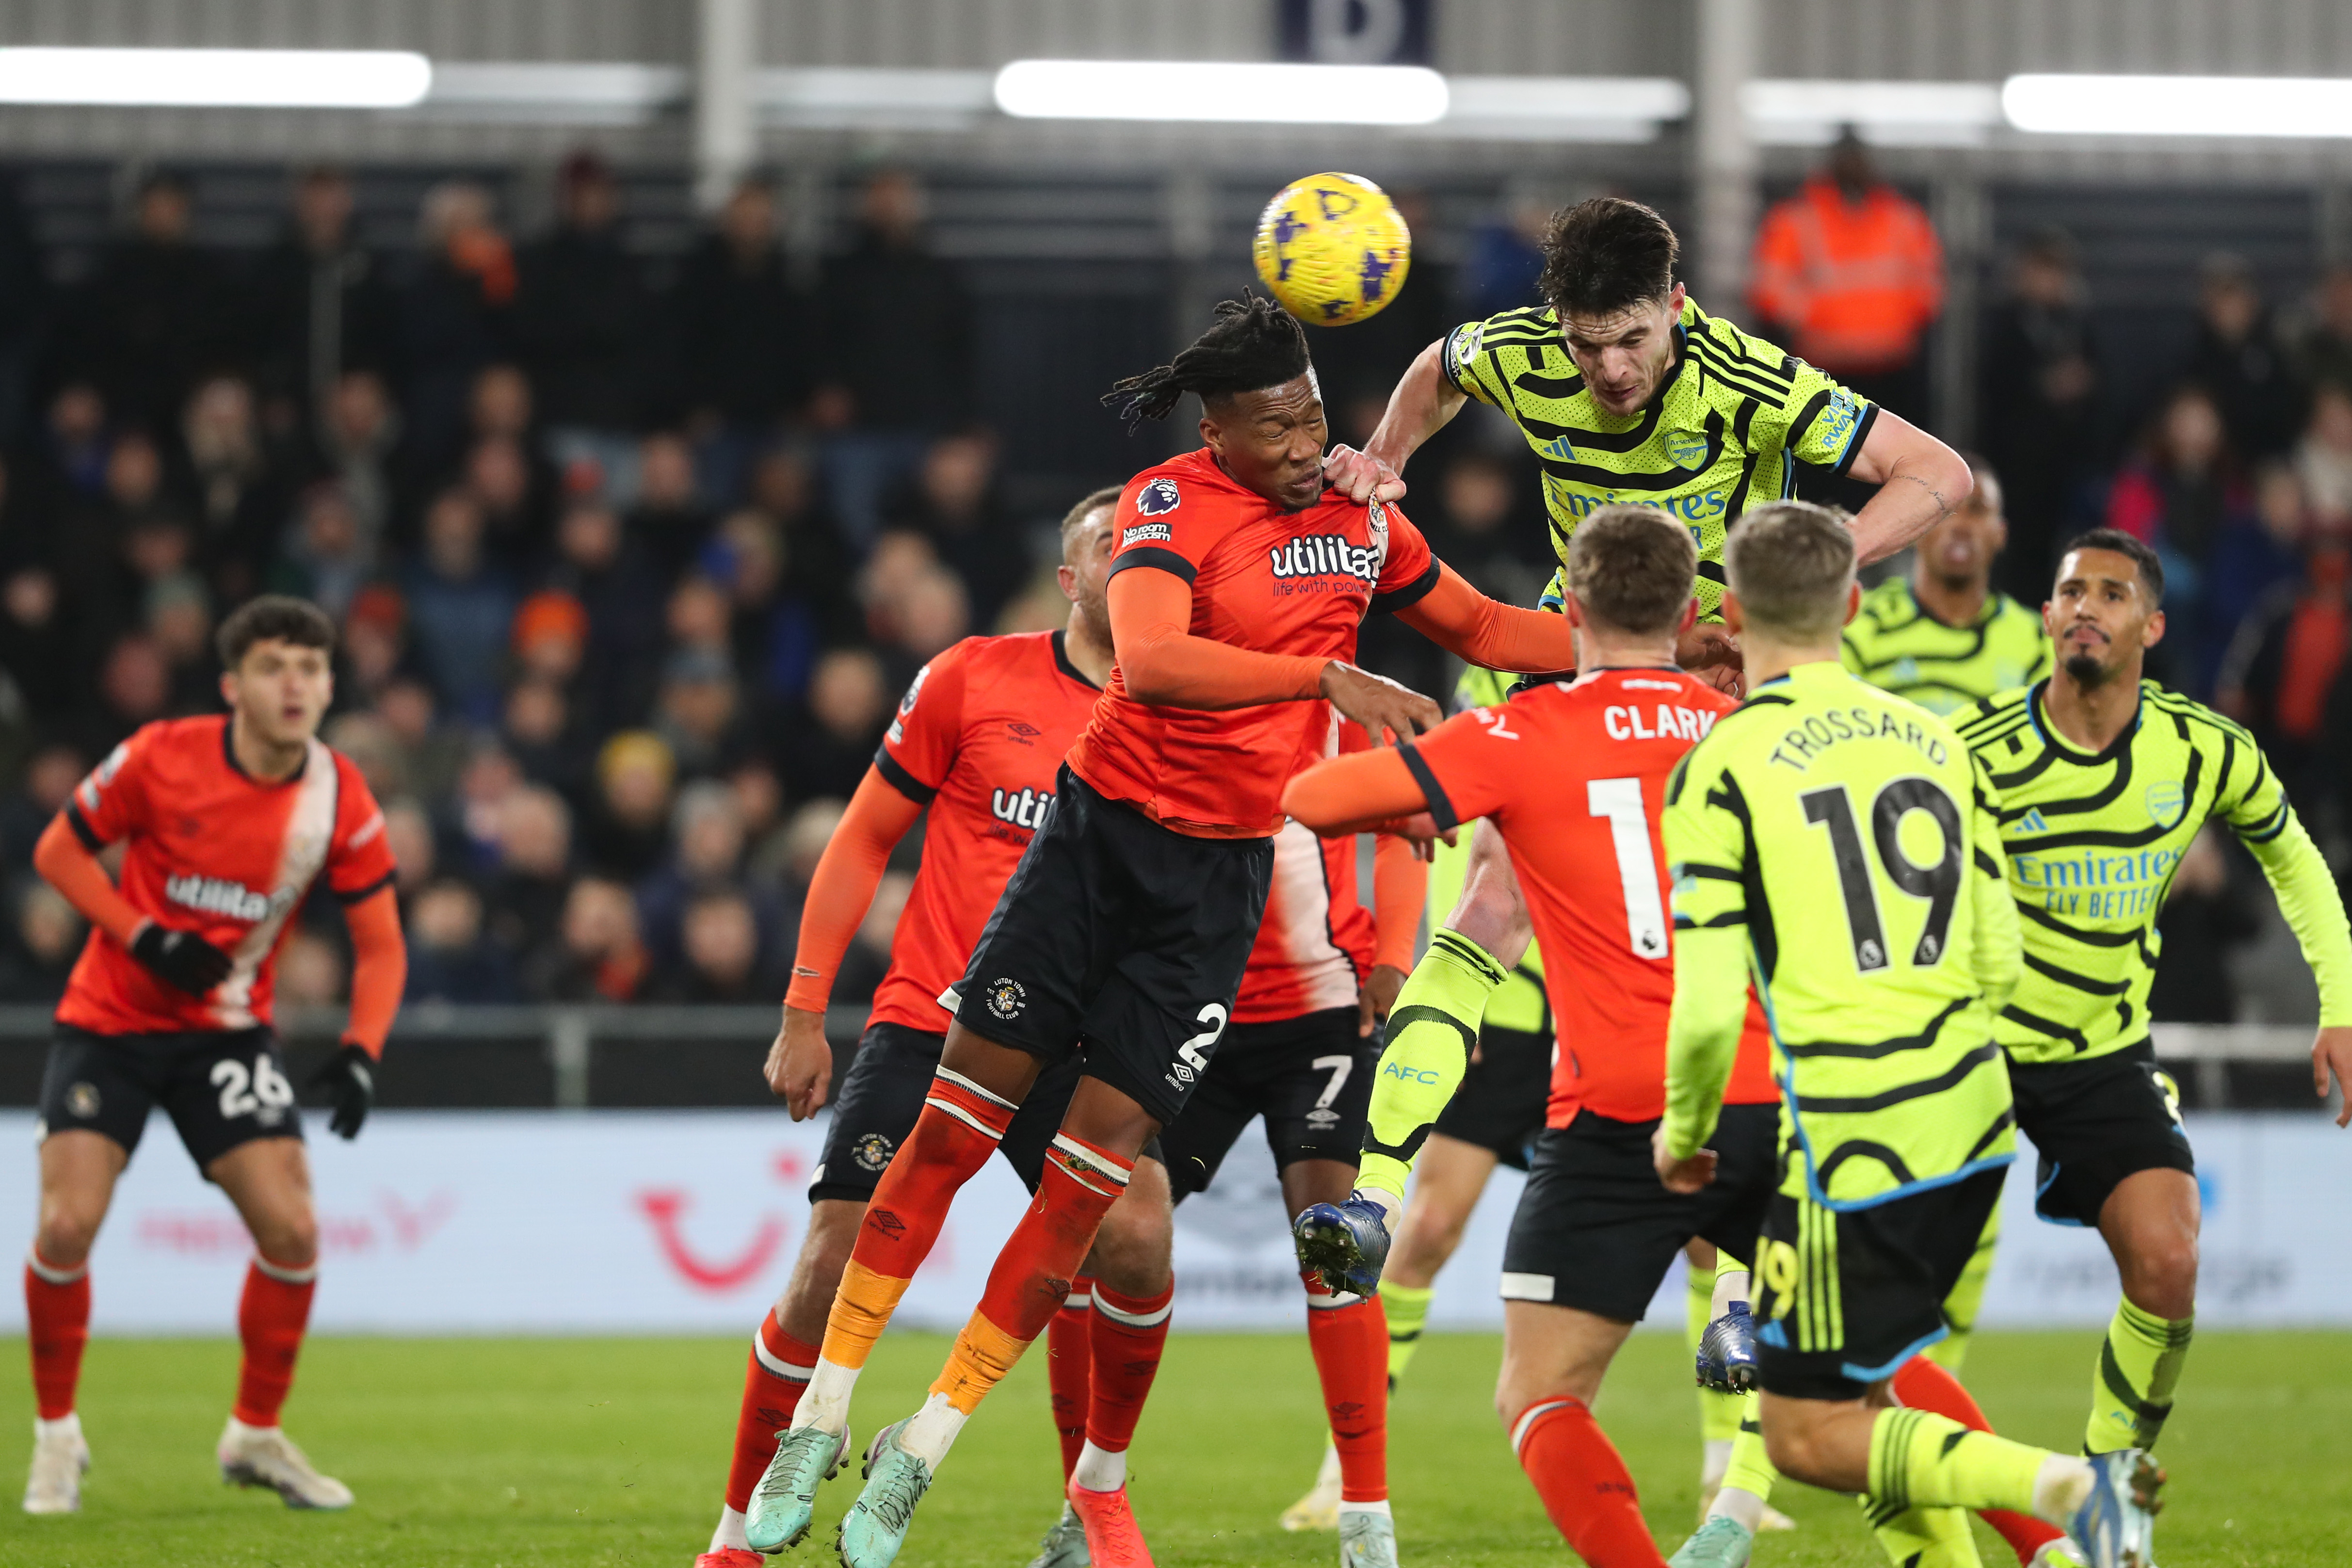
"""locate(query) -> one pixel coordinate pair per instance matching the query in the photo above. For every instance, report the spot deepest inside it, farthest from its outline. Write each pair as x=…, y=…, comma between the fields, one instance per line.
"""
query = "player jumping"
x=2106, y=778
x=1235, y=592
x=1594, y=1234
x=228, y=821
x=1841, y=846
x=1626, y=391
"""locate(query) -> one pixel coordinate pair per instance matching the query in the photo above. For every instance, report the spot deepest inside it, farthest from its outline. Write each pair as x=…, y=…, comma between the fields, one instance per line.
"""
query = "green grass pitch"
x=508, y=1453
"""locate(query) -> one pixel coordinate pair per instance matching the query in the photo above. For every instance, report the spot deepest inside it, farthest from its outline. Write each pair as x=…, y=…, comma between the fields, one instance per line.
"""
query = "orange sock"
x=56, y=1315
x=1069, y=1355
x=1583, y=1484
x=960, y=1126
x=1129, y=1332
x=1351, y=1360
x=772, y=1384
x=1031, y=1276
x=270, y=1317
x=1921, y=1385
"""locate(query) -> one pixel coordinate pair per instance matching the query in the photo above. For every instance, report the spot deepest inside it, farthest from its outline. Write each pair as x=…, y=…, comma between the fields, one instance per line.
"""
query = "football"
x=1332, y=249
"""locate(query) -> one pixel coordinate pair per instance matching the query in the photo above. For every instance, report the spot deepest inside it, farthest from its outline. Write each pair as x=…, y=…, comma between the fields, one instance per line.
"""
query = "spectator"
x=1850, y=275
x=708, y=831
x=848, y=703
x=374, y=748
x=669, y=521
x=2323, y=458
x=624, y=836
x=899, y=560
x=69, y=459
x=433, y=755
x=581, y=322
x=526, y=894
x=408, y=833
x=749, y=335
x=1506, y=251
x=2179, y=495
x=328, y=554
x=154, y=311
x=2035, y=402
x=597, y=956
x=897, y=352
x=179, y=620
x=2238, y=360
x=722, y=943
x=310, y=971
x=454, y=313
x=1358, y=368
x=953, y=503
x=44, y=938
x=774, y=626
x=538, y=733
x=460, y=606
x=499, y=476
x=550, y=636
x=320, y=305
x=2205, y=913
x=477, y=826
x=36, y=642
x=447, y=959
x=356, y=436
x=599, y=565
x=2252, y=556
x=2283, y=678
x=128, y=537
x=49, y=778
x=787, y=860
x=2328, y=341
x=783, y=491
x=699, y=618
x=375, y=641
x=933, y=615
x=134, y=687
x=699, y=713
x=501, y=404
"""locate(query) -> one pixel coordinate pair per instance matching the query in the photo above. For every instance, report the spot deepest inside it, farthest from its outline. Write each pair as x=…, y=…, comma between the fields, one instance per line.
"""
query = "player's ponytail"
x=1254, y=344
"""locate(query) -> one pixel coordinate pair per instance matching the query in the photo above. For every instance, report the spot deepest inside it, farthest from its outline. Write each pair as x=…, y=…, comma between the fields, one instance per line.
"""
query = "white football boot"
x=265, y=1457
x=59, y=1456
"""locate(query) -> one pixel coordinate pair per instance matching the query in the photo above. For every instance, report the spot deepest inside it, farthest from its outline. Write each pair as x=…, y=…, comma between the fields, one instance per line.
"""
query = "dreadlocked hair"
x=1255, y=344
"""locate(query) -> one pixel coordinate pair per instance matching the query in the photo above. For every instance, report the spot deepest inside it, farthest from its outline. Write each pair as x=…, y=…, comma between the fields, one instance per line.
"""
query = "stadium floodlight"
x=2179, y=105
x=1214, y=90
x=1886, y=113
x=215, y=78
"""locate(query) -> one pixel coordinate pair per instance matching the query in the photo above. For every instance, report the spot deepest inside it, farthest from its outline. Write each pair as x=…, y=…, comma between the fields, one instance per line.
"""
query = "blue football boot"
x=2116, y=1525
x=1346, y=1244
x=1726, y=1352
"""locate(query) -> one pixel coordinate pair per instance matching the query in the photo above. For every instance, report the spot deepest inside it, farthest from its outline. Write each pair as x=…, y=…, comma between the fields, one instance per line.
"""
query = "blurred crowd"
x=633, y=556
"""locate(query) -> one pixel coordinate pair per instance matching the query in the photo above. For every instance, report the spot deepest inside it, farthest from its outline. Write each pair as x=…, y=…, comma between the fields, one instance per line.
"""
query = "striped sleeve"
x=1705, y=849
x=2309, y=898
x=1473, y=354
x=1997, y=959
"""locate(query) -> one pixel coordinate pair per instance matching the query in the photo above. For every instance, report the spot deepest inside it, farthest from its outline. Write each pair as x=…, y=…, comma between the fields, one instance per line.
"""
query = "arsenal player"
x=227, y=821
x=1235, y=592
x=1574, y=777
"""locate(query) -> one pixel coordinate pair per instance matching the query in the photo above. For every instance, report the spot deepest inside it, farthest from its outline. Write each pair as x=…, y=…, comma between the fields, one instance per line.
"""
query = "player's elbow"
x=1304, y=800
x=56, y=848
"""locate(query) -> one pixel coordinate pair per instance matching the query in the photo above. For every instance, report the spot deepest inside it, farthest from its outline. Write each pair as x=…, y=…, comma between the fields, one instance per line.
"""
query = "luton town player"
x=227, y=821
x=1573, y=778
x=1236, y=593
x=977, y=742
x=1626, y=391
x=1840, y=846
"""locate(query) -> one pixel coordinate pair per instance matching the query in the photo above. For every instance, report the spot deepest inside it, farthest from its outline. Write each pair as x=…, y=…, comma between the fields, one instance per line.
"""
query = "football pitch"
x=508, y=1453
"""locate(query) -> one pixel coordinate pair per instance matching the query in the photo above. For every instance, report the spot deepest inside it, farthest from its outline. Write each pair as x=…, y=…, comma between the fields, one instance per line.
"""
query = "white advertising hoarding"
x=483, y=1222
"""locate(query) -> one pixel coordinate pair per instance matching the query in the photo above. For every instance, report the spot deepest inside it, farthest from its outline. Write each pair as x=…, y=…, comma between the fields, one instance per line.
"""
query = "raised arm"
x=1419, y=408
x=1920, y=482
x=1160, y=662
x=1483, y=631
x=1360, y=791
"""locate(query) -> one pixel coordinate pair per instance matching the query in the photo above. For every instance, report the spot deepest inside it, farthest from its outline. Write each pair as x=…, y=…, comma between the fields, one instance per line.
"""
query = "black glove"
x=181, y=957
x=349, y=1078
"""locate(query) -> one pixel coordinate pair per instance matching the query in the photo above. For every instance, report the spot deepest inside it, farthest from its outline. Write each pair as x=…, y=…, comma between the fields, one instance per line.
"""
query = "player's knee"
x=288, y=1239
x=1792, y=1447
x=67, y=1232
x=1132, y=1249
x=1489, y=913
x=2161, y=1275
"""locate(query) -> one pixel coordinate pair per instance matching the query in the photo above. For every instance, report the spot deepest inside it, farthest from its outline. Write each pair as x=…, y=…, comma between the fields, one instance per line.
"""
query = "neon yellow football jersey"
x=1719, y=436
x=1897, y=646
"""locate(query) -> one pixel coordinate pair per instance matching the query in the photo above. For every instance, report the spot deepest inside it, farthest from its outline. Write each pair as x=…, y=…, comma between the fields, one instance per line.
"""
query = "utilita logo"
x=1324, y=555
x=1028, y=808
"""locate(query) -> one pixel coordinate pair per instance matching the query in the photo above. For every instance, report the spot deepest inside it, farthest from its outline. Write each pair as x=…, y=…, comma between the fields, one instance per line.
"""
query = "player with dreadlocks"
x=1236, y=589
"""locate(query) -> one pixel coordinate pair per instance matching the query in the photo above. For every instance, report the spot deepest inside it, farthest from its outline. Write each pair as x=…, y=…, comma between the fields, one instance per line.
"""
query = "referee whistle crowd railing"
x=613, y=1057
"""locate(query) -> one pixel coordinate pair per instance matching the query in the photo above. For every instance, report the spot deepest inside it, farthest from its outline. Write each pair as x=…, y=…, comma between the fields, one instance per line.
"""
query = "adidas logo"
x=2033, y=822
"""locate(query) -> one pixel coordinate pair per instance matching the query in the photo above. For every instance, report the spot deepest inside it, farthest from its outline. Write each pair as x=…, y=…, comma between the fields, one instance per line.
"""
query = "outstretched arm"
x=70, y=866
x=1920, y=482
x=1161, y=662
x=1419, y=408
x=2309, y=898
x=1483, y=631
x=1359, y=792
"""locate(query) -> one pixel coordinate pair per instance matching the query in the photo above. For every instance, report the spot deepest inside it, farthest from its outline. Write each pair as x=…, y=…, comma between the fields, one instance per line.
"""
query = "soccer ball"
x=1332, y=249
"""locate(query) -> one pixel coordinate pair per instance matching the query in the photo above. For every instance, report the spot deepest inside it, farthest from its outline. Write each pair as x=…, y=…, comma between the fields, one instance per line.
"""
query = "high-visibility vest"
x=1854, y=282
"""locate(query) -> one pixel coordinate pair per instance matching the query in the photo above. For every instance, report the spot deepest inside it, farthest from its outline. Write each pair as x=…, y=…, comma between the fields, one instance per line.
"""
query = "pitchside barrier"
x=578, y=1211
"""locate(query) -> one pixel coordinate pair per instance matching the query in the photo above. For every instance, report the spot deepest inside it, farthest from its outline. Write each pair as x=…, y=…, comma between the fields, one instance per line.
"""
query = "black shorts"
x=1846, y=1297
x=1121, y=936
x=1501, y=1102
x=220, y=1089
x=1310, y=1077
x=1596, y=1230
x=882, y=1095
x=2094, y=1122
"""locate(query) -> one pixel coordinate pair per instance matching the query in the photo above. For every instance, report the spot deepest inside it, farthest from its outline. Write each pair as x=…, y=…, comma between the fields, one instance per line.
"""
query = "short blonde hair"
x=1791, y=563
x=1631, y=567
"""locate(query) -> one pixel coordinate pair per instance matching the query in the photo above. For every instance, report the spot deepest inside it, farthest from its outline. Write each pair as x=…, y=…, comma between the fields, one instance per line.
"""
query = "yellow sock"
x=1922, y=1460
x=1751, y=1469
x=1718, y=1414
x=1430, y=1031
x=1967, y=1296
x=861, y=1311
x=1924, y=1537
x=977, y=1363
x=2131, y=1390
x=1408, y=1311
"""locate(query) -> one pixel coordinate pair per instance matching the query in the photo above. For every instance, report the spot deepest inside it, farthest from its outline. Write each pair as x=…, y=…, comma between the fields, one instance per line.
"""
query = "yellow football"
x=1332, y=249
